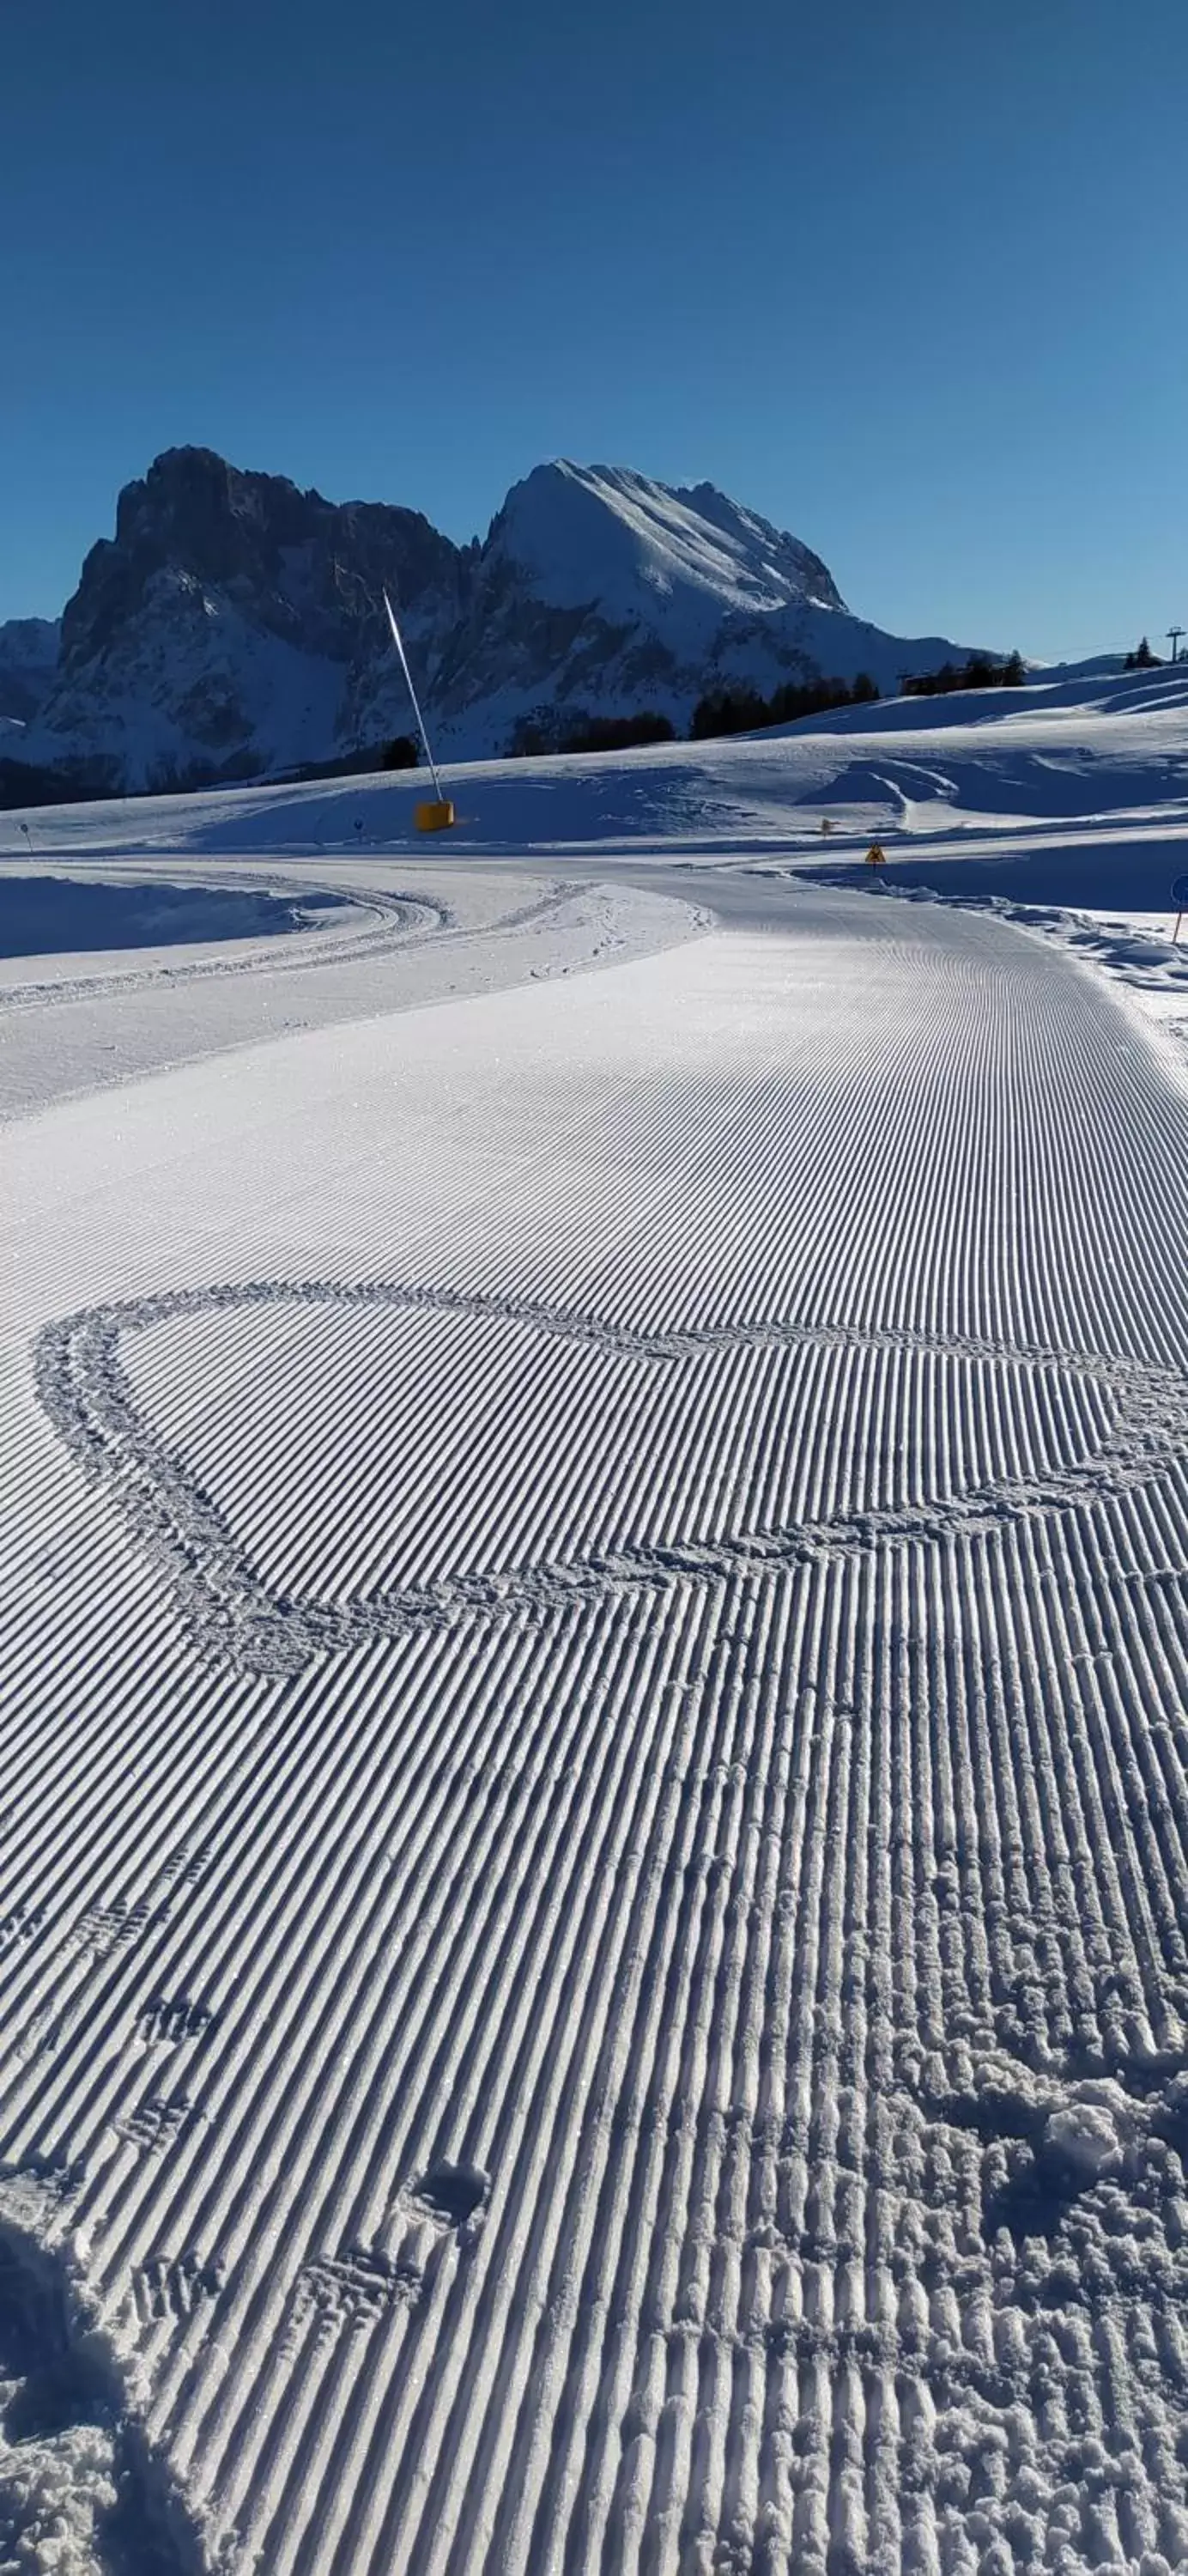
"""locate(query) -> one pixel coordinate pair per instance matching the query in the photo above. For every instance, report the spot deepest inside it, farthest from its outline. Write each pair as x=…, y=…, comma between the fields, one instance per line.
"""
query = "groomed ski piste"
x=595, y=1822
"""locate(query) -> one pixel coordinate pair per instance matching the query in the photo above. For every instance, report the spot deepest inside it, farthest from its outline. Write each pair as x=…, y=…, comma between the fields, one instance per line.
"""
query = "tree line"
x=979, y=672
x=551, y=729
x=742, y=710
x=734, y=708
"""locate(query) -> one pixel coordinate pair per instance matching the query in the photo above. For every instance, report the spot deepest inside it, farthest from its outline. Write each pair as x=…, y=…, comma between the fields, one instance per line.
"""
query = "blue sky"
x=909, y=279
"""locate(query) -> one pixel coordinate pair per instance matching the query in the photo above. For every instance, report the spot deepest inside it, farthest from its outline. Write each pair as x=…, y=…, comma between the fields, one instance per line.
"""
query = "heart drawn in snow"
x=237, y=1618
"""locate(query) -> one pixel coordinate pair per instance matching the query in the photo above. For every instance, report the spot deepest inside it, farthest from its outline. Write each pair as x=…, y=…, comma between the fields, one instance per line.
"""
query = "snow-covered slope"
x=596, y=1846
x=1038, y=764
x=233, y=627
x=595, y=1837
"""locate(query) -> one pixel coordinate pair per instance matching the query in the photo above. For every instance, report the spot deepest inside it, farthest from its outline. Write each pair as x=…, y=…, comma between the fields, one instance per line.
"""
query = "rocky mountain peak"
x=606, y=533
x=300, y=567
x=233, y=625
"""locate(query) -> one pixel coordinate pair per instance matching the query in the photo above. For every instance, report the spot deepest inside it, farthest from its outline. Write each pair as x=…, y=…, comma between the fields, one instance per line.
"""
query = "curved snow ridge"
x=234, y=1614
x=402, y=919
x=409, y=921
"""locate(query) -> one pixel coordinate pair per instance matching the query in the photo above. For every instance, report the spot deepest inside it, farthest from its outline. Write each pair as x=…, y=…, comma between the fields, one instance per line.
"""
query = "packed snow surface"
x=596, y=1646
x=1064, y=803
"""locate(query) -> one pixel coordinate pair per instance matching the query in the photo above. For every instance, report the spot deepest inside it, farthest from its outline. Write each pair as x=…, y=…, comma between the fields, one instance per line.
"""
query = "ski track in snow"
x=395, y=945
x=596, y=1829
x=400, y=918
x=405, y=921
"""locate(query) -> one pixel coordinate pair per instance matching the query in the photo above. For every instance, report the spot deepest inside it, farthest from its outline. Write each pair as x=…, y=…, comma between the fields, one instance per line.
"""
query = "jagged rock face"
x=233, y=627
x=226, y=627
x=28, y=662
x=304, y=569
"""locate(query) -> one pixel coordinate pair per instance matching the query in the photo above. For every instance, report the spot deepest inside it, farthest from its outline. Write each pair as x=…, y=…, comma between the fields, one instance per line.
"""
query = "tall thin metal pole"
x=396, y=639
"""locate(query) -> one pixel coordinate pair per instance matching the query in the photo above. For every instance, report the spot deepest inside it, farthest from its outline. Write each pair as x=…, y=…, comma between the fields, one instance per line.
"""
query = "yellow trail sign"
x=876, y=856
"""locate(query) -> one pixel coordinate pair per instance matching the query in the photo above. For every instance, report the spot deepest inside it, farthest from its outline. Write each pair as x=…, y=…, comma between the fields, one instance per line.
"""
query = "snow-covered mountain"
x=233, y=627
x=225, y=630
x=599, y=590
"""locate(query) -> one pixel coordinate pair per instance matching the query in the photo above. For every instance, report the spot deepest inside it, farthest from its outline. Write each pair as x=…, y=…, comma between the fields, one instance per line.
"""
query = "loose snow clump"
x=1088, y=2137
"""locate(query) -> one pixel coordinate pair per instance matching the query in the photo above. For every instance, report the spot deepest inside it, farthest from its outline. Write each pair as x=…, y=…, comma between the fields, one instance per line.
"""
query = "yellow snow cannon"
x=435, y=815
